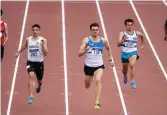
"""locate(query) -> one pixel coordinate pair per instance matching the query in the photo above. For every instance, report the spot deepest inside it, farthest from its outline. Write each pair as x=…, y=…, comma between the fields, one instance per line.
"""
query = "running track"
x=148, y=99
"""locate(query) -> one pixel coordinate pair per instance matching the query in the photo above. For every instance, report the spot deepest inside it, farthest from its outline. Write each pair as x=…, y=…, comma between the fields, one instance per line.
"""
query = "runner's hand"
x=87, y=47
x=42, y=42
x=142, y=47
x=124, y=38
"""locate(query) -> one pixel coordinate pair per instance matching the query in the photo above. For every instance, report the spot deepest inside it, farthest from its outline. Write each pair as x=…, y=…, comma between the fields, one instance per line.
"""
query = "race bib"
x=34, y=52
x=96, y=51
x=130, y=44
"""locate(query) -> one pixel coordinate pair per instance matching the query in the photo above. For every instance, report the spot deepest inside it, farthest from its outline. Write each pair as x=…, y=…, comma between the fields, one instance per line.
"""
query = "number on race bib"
x=34, y=52
x=96, y=51
x=130, y=44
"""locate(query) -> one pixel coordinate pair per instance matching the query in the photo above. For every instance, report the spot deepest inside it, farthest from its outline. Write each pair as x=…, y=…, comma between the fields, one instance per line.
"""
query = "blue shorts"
x=125, y=56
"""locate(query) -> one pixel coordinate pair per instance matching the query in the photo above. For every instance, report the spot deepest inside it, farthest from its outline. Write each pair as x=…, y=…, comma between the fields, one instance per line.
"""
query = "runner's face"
x=35, y=31
x=129, y=26
x=95, y=31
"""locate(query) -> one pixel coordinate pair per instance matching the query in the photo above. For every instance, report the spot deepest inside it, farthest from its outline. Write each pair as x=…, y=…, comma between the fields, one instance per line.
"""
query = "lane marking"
x=148, y=39
x=65, y=58
x=56, y=73
x=114, y=69
x=85, y=1
x=15, y=93
x=164, y=1
x=9, y=78
x=65, y=112
x=64, y=94
x=101, y=1
x=64, y=79
x=17, y=60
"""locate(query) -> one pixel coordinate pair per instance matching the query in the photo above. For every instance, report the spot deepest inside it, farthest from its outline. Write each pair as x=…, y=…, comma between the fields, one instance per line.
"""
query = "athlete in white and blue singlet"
x=128, y=41
x=37, y=49
x=93, y=47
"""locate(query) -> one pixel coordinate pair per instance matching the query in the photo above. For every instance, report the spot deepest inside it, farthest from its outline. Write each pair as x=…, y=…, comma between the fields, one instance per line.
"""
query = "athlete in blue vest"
x=92, y=46
x=128, y=41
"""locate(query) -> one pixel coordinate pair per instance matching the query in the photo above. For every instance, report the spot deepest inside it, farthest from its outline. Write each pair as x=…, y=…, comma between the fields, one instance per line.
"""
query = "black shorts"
x=90, y=70
x=2, y=52
x=37, y=68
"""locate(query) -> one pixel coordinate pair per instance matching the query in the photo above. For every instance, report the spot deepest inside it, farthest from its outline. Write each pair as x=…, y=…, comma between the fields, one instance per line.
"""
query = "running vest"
x=94, y=54
x=35, y=53
x=130, y=44
x=2, y=32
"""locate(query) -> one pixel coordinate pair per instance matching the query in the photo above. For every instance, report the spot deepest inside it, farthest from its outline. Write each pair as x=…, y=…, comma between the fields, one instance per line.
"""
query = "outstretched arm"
x=108, y=48
x=140, y=34
x=83, y=48
x=6, y=34
x=23, y=47
x=121, y=39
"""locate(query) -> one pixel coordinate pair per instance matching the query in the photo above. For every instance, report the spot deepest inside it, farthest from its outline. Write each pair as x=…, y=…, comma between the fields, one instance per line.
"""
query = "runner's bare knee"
x=132, y=61
x=32, y=75
x=98, y=75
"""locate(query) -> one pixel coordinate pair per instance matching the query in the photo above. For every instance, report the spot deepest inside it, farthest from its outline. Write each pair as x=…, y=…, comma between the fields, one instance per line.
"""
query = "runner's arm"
x=120, y=39
x=108, y=48
x=24, y=46
x=44, y=47
x=82, y=49
x=6, y=34
x=140, y=34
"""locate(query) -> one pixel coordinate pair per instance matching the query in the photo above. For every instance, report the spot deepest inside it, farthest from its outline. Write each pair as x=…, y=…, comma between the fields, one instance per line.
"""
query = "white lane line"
x=149, y=41
x=17, y=60
x=164, y=1
x=114, y=69
x=65, y=58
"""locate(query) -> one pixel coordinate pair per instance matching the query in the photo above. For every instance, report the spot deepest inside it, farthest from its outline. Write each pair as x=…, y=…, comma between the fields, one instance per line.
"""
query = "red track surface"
x=150, y=96
x=76, y=31
x=16, y=14
x=148, y=99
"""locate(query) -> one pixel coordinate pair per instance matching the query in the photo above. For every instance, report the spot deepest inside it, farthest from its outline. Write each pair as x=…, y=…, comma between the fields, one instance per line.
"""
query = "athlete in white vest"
x=92, y=46
x=37, y=49
x=128, y=40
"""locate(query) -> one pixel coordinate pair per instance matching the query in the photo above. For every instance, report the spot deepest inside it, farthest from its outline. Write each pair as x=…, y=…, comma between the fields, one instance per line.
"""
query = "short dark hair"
x=94, y=24
x=128, y=20
x=1, y=12
x=36, y=25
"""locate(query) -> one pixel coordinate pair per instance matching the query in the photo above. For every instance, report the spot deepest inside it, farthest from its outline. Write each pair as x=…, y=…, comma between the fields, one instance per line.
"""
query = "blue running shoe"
x=38, y=89
x=30, y=100
x=133, y=85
